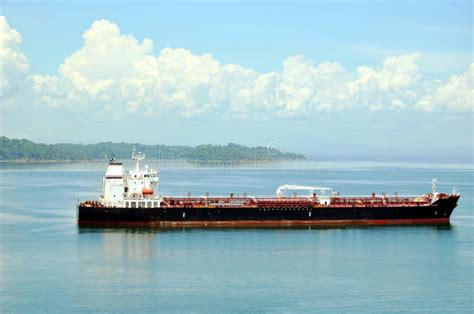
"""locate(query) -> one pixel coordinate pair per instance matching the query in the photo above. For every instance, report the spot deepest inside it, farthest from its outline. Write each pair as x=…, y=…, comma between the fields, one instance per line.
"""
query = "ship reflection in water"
x=144, y=243
x=130, y=244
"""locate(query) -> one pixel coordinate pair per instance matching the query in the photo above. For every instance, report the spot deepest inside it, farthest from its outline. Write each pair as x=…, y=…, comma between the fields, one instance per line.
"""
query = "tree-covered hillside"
x=15, y=149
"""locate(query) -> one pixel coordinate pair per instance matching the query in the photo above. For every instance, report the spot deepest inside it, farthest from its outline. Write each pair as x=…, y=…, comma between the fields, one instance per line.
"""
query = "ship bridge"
x=137, y=184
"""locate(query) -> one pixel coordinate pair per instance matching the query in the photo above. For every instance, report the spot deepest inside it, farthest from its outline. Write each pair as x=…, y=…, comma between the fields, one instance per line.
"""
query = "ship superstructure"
x=124, y=189
x=131, y=199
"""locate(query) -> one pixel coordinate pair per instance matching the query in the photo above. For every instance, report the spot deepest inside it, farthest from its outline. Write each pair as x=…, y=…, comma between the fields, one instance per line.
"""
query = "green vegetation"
x=25, y=150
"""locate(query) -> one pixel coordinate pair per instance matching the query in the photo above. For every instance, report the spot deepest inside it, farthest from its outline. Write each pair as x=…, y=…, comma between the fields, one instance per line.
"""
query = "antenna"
x=136, y=157
x=433, y=184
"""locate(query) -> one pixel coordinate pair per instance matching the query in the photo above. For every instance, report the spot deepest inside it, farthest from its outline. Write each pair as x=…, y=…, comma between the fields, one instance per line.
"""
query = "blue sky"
x=259, y=34
x=359, y=77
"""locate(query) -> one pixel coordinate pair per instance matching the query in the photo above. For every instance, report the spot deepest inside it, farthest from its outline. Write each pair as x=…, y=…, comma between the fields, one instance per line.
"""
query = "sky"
x=339, y=78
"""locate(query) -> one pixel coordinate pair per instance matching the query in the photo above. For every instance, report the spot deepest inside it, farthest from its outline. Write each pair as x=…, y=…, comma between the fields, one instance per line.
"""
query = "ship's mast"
x=136, y=157
x=433, y=185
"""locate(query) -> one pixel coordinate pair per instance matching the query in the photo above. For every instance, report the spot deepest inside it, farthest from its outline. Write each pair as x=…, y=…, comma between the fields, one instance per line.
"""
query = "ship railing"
x=207, y=202
x=235, y=201
x=380, y=201
x=279, y=201
x=335, y=201
x=92, y=204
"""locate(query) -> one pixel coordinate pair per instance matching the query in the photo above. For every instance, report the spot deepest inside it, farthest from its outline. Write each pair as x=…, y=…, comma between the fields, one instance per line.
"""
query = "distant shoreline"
x=22, y=161
x=25, y=151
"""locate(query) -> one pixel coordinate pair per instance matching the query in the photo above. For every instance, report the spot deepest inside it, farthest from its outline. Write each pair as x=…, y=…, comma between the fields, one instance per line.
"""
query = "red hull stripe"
x=267, y=223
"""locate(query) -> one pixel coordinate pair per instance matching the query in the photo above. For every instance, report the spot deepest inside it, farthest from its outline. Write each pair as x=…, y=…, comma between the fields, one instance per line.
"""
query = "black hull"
x=436, y=213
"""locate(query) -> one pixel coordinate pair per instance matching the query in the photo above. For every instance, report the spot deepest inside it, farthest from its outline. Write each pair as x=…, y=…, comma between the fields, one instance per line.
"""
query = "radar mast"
x=136, y=157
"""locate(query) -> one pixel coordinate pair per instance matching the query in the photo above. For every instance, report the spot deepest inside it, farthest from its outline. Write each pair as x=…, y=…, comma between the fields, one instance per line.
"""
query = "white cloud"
x=13, y=63
x=457, y=94
x=106, y=57
x=177, y=80
x=300, y=88
x=388, y=88
x=116, y=73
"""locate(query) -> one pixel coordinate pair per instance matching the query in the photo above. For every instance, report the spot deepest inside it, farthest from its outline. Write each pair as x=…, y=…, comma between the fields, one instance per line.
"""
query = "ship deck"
x=274, y=202
x=292, y=202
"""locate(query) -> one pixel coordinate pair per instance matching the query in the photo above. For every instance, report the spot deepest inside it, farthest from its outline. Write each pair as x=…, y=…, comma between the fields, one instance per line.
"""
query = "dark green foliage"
x=14, y=149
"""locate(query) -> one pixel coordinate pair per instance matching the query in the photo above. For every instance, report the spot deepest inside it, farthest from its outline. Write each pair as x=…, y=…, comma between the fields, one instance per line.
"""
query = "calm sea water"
x=48, y=264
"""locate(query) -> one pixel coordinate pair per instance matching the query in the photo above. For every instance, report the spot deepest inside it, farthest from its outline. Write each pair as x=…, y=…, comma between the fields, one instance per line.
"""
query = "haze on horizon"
x=351, y=78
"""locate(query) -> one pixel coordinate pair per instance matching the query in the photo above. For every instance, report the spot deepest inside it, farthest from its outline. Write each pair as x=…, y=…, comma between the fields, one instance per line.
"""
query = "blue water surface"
x=48, y=264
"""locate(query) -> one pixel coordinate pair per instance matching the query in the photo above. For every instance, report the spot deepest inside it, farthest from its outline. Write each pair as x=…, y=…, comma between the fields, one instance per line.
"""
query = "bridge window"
x=141, y=204
x=134, y=204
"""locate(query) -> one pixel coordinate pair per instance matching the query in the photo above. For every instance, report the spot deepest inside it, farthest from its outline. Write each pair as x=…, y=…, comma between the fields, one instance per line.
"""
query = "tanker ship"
x=131, y=200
